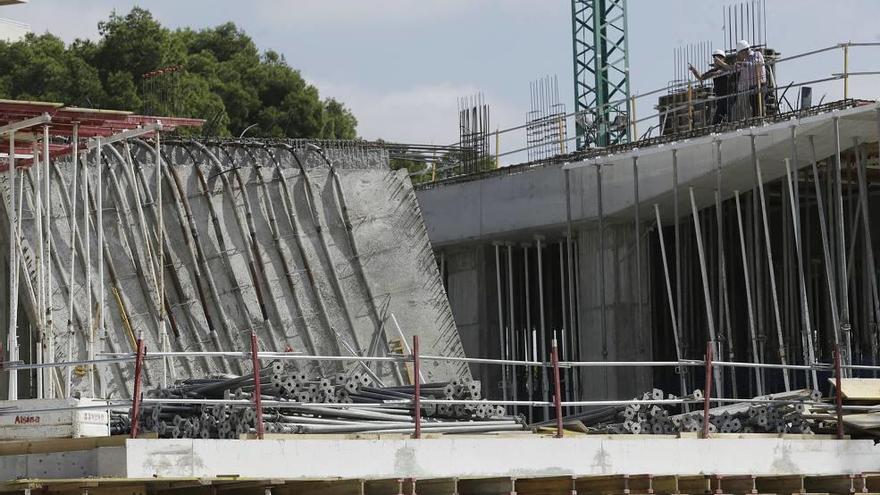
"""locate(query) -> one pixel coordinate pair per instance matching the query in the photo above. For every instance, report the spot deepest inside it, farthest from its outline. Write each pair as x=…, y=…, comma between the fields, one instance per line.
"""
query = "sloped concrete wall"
x=313, y=254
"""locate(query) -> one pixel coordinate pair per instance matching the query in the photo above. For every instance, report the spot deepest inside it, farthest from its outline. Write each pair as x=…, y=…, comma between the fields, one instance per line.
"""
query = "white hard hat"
x=742, y=45
x=719, y=53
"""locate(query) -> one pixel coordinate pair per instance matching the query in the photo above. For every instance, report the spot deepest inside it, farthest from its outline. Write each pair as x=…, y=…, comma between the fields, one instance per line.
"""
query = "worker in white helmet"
x=751, y=80
x=721, y=74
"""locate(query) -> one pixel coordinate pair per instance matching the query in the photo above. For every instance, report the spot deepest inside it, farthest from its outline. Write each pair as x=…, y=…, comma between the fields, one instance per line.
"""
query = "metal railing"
x=439, y=174
x=417, y=401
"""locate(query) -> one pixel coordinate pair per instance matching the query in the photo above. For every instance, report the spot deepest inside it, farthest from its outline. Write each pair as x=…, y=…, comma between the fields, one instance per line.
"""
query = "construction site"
x=679, y=299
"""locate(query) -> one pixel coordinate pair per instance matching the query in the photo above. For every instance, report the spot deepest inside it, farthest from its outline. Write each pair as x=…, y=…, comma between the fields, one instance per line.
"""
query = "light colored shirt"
x=750, y=71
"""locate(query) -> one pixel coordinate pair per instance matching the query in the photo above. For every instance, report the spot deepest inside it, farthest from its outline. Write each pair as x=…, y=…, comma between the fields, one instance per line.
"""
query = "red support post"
x=418, y=388
x=136, y=398
x=707, y=393
x=557, y=395
x=258, y=399
x=838, y=395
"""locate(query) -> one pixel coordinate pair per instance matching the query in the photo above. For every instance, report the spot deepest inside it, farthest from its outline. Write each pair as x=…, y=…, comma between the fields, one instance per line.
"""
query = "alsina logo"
x=26, y=420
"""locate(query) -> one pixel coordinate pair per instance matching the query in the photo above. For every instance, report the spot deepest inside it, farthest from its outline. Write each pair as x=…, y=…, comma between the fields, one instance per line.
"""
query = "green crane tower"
x=601, y=72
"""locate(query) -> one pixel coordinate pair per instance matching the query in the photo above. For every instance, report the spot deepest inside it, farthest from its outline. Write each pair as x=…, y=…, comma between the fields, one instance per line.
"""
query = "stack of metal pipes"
x=374, y=408
x=744, y=417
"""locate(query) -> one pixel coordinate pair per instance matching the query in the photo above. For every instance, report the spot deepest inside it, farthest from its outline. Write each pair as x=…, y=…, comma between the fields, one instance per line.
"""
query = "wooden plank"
x=780, y=485
x=734, y=485
x=695, y=485
x=609, y=484
x=439, y=486
x=384, y=487
x=329, y=487
x=487, y=486
x=859, y=388
x=845, y=484
x=555, y=485
x=665, y=485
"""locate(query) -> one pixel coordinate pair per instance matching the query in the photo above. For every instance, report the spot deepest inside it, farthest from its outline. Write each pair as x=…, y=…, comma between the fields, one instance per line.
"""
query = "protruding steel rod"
x=557, y=396
x=417, y=412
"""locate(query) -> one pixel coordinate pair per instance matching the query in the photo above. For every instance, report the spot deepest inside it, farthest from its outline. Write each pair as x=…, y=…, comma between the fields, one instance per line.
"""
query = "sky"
x=402, y=65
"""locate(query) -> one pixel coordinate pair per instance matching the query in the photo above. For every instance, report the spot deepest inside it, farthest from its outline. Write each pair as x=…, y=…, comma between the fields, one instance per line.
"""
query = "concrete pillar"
x=624, y=340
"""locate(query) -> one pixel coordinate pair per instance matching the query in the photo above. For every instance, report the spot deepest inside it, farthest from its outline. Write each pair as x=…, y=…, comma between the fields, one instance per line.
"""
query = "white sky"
x=401, y=65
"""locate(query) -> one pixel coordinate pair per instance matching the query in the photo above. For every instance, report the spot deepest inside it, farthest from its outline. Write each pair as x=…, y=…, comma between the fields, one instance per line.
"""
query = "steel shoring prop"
x=12, y=338
x=563, y=299
x=707, y=297
x=557, y=389
x=679, y=302
x=417, y=392
x=708, y=386
x=637, y=222
x=772, y=273
x=501, y=332
x=528, y=330
x=72, y=274
x=843, y=284
x=511, y=330
x=160, y=272
x=810, y=355
x=572, y=384
x=725, y=330
x=543, y=336
x=868, y=246
x=600, y=259
x=808, y=345
x=826, y=246
x=756, y=356
x=670, y=301
x=36, y=175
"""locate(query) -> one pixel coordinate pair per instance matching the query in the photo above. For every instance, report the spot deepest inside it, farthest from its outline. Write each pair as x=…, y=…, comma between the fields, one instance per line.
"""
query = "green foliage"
x=225, y=78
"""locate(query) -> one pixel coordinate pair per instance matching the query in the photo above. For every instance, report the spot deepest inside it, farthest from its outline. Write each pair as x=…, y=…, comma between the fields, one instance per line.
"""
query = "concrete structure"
x=315, y=257
x=612, y=292
x=515, y=456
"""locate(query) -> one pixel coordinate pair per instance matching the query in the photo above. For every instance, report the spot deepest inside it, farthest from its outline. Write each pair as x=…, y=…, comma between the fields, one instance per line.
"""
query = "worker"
x=751, y=80
x=721, y=74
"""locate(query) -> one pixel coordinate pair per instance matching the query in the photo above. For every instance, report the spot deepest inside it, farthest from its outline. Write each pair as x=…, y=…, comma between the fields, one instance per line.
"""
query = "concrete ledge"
x=494, y=457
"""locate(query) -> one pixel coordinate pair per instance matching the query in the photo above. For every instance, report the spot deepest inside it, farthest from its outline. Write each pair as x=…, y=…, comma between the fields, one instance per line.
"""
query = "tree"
x=225, y=78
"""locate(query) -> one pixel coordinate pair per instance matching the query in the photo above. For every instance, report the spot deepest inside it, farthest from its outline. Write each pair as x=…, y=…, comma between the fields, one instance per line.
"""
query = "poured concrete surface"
x=515, y=456
x=256, y=237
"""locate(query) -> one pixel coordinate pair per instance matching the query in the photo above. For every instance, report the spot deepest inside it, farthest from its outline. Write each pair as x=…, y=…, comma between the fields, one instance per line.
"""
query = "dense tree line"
x=224, y=79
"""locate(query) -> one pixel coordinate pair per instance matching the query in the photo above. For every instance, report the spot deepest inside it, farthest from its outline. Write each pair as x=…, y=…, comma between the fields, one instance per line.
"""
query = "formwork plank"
x=330, y=487
x=611, y=484
x=780, y=485
x=734, y=485
x=384, y=487
x=438, y=486
x=487, y=486
x=695, y=485
x=665, y=485
x=838, y=484
x=558, y=485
